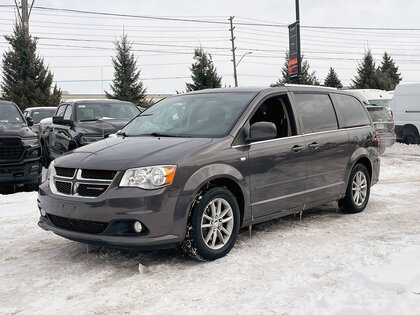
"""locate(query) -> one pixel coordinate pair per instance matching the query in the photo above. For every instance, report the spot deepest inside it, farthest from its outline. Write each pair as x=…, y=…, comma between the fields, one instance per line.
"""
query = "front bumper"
x=155, y=209
x=27, y=172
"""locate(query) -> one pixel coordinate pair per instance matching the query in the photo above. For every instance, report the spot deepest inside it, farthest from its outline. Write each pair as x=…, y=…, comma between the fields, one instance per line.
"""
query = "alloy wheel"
x=217, y=223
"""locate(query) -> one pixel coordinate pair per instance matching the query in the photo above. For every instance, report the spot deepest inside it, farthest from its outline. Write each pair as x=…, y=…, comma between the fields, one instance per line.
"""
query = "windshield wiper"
x=158, y=134
x=84, y=120
x=122, y=133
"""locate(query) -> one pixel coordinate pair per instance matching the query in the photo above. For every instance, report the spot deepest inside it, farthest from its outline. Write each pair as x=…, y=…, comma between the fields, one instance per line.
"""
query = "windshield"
x=10, y=114
x=379, y=114
x=38, y=115
x=195, y=115
x=95, y=111
x=382, y=102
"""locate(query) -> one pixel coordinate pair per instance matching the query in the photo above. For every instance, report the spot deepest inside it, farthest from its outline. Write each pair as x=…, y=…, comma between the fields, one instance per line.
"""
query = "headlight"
x=89, y=139
x=50, y=171
x=31, y=142
x=150, y=177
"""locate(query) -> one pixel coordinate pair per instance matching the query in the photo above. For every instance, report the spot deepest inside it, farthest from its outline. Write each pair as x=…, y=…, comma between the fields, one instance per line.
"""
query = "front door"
x=278, y=166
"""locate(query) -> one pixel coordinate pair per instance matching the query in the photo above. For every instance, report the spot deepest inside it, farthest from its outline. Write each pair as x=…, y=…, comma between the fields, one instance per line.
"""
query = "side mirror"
x=58, y=120
x=29, y=121
x=262, y=130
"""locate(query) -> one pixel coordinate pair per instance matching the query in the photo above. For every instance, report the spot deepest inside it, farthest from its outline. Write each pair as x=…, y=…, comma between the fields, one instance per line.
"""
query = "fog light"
x=137, y=227
x=43, y=212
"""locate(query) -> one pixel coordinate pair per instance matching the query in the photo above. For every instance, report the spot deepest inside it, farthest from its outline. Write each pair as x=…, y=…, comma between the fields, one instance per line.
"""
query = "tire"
x=44, y=156
x=359, y=181
x=410, y=137
x=206, y=228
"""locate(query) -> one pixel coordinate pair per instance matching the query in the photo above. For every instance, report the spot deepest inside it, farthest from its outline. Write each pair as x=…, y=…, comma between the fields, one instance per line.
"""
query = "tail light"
x=392, y=114
x=377, y=140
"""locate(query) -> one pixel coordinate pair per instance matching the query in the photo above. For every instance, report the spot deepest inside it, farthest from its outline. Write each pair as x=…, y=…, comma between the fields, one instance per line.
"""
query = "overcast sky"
x=79, y=46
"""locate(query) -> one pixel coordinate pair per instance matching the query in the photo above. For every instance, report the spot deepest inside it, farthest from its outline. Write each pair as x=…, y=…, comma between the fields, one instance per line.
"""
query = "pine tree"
x=307, y=77
x=126, y=84
x=332, y=79
x=26, y=80
x=390, y=71
x=367, y=75
x=203, y=72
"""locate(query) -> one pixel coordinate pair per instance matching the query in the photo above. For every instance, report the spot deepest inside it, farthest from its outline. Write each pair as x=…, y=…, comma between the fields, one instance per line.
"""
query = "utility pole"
x=299, y=57
x=24, y=12
x=232, y=39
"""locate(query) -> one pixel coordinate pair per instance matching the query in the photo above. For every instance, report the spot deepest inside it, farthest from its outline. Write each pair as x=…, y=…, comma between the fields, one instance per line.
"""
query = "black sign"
x=294, y=50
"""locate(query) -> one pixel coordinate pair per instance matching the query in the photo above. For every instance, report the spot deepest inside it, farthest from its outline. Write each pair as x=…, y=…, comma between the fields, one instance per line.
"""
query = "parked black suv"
x=20, y=151
x=77, y=123
x=195, y=167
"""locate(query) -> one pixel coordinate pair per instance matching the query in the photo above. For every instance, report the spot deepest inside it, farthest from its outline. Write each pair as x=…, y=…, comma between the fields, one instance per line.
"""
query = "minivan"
x=194, y=168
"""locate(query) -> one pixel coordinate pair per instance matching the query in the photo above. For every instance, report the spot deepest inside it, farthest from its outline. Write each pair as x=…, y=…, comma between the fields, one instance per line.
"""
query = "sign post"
x=294, y=53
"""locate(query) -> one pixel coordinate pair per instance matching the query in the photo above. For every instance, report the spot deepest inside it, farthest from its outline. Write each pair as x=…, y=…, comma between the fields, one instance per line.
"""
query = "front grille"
x=11, y=149
x=91, y=227
x=63, y=187
x=82, y=182
x=64, y=171
x=98, y=174
x=89, y=190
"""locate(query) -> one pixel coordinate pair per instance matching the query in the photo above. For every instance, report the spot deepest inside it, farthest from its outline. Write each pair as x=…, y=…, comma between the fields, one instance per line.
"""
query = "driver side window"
x=60, y=110
x=276, y=110
x=67, y=113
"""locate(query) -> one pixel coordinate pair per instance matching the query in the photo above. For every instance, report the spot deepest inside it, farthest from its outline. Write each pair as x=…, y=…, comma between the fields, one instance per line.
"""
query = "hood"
x=15, y=131
x=101, y=126
x=119, y=153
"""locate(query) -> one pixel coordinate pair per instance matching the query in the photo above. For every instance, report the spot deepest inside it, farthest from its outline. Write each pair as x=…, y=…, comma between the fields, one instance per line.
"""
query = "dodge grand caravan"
x=195, y=168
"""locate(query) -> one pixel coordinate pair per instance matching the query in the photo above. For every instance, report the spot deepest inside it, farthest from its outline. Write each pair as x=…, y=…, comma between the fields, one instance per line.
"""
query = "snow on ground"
x=328, y=263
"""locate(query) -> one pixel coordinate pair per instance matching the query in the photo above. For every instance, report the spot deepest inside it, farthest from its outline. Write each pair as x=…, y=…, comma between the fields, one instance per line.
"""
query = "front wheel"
x=358, y=191
x=214, y=225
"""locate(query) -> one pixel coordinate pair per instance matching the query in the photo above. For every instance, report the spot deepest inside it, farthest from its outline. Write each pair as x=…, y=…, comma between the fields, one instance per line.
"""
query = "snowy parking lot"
x=326, y=263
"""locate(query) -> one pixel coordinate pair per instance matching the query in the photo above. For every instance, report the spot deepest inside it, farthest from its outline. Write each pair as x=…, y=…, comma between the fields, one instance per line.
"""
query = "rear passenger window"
x=350, y=111
x=316, y=112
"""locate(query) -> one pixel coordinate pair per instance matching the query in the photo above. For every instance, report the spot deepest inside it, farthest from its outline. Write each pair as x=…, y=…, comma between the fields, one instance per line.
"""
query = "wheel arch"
x=218, y=175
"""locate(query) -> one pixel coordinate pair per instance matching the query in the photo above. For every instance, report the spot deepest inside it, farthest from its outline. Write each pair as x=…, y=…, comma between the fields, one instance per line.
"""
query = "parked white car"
x=374, y=97
x=406, y=109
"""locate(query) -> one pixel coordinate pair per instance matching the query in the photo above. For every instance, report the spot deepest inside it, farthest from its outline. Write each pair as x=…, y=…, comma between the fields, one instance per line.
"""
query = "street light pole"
x=248, y=53
x=232, y=39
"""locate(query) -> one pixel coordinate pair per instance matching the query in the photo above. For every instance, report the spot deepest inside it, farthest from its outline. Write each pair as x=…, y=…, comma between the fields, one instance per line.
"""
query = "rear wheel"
x=410, y=137
x=214, y=225
x=358, y=191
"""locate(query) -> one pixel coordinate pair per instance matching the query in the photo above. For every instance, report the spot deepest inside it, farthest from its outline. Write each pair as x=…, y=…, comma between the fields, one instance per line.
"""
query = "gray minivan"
x=196, y=167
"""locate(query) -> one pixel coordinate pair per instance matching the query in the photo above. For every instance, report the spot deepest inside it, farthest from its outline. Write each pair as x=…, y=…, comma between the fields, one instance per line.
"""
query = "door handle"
x=297, y=148
x=314, y=145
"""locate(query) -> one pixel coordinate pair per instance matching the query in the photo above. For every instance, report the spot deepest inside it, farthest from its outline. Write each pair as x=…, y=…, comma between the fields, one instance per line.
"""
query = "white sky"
x=323, y=47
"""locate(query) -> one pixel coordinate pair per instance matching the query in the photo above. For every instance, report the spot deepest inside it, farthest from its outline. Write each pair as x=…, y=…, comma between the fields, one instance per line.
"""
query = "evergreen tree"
x=203, y=72
x=307, y=77
x=390, y=71
x=367, y=74
x=126, y=84
x=332, y=79
x=26, y=80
